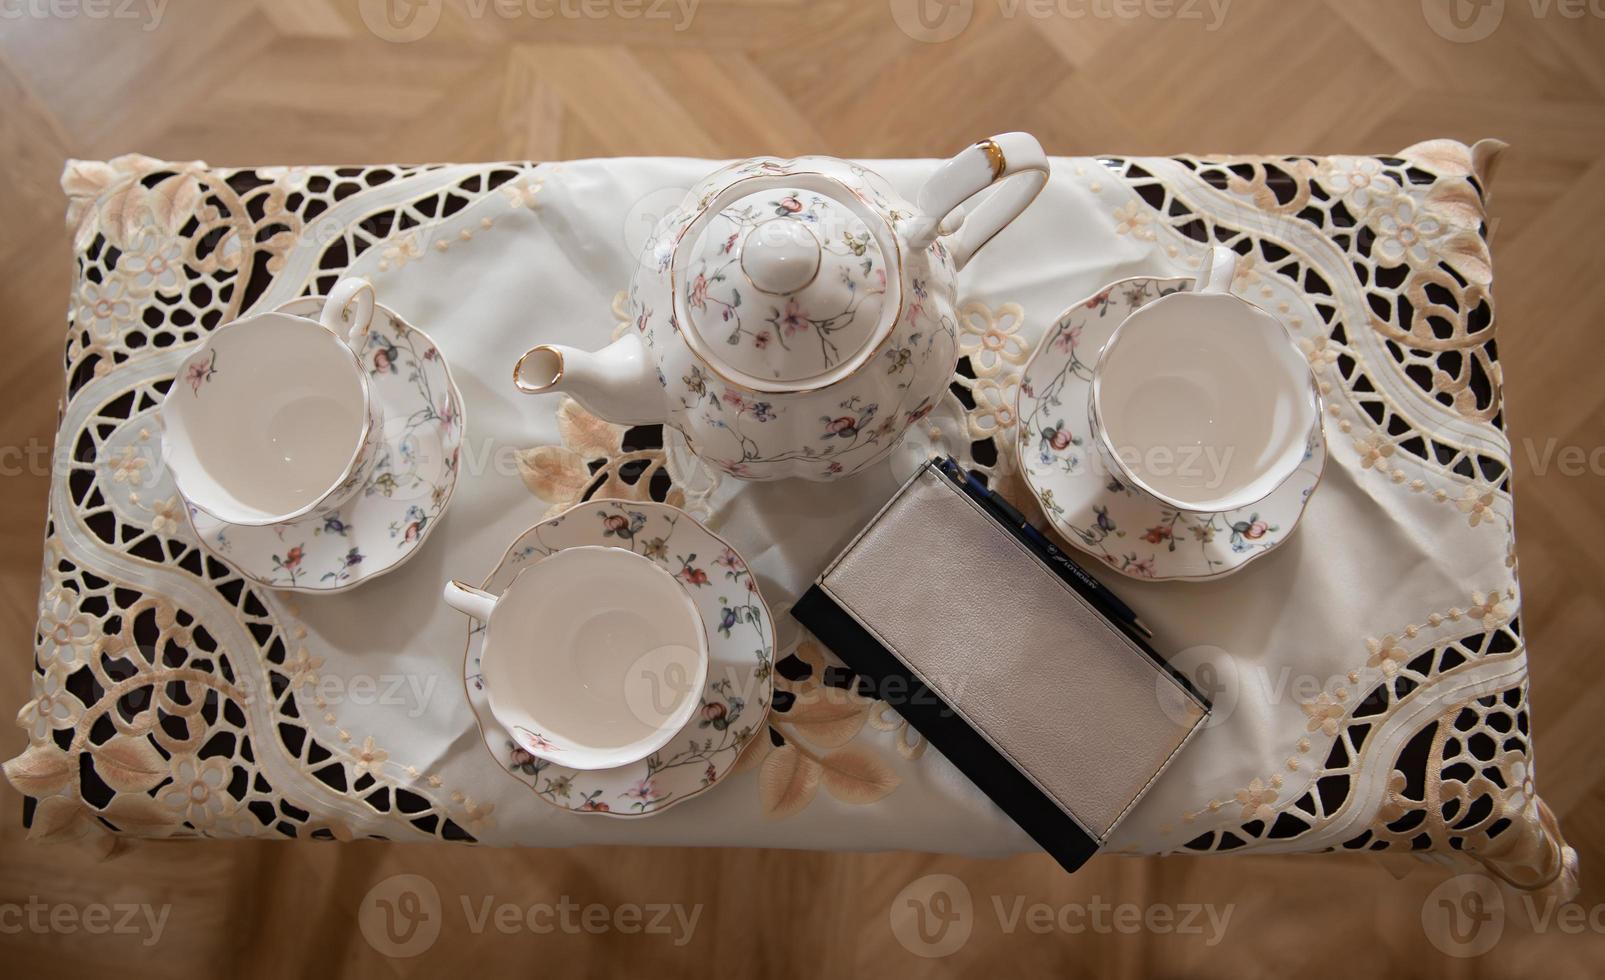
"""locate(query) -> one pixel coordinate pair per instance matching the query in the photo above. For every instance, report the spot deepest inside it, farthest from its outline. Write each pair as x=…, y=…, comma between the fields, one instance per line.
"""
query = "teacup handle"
x=470, y=601
x=1220, y=269
x=991, y=161
x=349, y=310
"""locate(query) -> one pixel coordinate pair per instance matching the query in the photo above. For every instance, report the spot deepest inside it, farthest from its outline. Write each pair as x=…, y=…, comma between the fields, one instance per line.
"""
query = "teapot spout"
x=619, y=382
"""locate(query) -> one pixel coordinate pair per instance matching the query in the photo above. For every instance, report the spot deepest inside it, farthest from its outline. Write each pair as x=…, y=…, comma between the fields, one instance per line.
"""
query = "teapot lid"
x=785, y=283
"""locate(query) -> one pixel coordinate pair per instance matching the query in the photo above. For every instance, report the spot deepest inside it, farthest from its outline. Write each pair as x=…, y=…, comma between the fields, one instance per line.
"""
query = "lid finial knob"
x=780, y=256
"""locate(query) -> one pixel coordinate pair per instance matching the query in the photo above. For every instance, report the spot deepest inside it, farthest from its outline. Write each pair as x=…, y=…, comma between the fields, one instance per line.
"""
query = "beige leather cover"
x=1083, y=712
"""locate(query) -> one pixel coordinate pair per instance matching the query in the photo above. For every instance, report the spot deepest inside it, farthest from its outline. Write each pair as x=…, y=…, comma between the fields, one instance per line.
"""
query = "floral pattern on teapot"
x=822, y=434
x=715, y=284
x=818, y=379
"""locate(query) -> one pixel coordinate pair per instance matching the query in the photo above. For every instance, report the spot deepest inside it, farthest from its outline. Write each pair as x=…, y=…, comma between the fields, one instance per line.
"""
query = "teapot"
x=793, y=318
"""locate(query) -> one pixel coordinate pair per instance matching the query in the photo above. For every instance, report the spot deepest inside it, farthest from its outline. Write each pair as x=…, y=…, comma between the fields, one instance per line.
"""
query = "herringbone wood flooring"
x=304, y=81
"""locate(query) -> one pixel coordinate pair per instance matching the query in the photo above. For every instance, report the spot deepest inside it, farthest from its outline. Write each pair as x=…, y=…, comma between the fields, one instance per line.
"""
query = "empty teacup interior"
x=598, y=650
x=1205, y=401
x=266, y=419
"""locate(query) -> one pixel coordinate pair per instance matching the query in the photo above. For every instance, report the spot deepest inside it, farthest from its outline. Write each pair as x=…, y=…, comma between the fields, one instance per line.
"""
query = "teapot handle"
x=991, y=161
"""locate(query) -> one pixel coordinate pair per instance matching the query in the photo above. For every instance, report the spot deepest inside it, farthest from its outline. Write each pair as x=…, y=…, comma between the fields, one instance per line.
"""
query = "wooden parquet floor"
x=307, y=81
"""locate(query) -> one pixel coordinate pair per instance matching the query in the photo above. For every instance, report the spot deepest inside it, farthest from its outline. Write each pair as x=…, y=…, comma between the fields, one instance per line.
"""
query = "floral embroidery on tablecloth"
x=1412, y=228
x=130, y=689
x=167, y=251
x=812, y=741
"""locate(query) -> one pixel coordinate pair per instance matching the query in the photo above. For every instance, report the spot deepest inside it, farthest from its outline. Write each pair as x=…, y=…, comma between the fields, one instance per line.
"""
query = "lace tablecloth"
x=1369, y=676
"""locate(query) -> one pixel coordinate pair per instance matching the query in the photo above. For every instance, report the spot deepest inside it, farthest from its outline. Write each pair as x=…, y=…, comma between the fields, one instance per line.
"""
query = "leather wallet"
x=1059, y=713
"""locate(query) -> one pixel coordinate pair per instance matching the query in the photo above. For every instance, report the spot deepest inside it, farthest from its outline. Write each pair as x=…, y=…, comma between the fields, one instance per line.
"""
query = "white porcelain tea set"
x=1169, y=428
x=792, y=319
x=315, y=445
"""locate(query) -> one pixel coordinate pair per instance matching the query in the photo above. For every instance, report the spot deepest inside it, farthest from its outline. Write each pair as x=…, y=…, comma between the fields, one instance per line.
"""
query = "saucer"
x=405, y=497
x=1127, y=530
x=741, y=643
